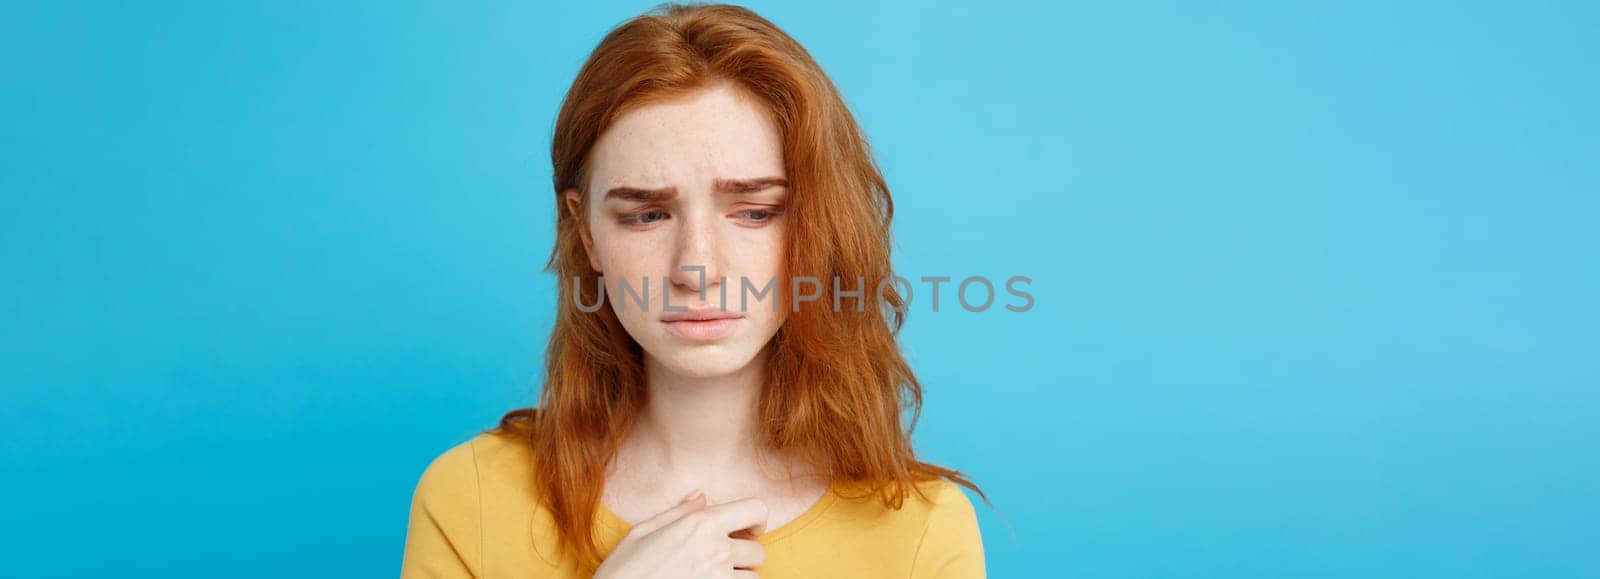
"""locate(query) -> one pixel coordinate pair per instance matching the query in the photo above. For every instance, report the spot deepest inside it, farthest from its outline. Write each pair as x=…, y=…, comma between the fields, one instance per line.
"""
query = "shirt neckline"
x=830, y=496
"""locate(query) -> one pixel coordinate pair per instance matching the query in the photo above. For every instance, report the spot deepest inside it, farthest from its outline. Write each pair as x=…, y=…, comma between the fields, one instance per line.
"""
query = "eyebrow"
x=725, y=186
x=744, y=186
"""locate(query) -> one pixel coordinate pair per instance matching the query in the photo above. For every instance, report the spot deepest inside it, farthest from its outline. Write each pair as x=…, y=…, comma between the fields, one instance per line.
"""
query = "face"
x=677, y=187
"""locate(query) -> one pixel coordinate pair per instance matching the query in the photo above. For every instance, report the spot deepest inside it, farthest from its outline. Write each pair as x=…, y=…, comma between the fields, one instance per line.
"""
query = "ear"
x=575, y=207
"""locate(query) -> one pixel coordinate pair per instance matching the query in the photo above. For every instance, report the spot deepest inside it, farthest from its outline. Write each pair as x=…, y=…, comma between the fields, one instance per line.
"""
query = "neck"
x=698, y=427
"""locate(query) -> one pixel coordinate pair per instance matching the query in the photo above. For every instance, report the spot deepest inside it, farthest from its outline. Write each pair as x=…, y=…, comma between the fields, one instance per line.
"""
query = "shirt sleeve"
x=952, y=547
x=444, y=539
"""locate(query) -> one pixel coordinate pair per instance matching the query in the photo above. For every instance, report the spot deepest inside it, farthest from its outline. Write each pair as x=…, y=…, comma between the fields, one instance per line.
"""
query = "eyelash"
x=769, y=213
x=638, y=219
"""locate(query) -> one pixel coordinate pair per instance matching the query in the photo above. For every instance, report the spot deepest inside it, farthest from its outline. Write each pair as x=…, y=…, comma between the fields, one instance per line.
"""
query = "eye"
x=644, y=217
x=757, y=215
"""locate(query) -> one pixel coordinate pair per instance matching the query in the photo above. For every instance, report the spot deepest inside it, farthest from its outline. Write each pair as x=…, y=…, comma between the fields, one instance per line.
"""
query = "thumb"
x=689, y=504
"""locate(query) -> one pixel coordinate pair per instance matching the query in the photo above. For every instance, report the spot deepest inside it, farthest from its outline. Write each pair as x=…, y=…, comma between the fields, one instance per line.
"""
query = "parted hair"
x=838, y=389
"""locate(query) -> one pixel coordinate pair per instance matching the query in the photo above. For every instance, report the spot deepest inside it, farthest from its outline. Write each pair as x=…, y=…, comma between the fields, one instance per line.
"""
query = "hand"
x=692, y=541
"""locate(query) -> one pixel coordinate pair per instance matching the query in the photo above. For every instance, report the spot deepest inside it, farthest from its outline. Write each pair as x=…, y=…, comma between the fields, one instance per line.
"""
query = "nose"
x=697, y=257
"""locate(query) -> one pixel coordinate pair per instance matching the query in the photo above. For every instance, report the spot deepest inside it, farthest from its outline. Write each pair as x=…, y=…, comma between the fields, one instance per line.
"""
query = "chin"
x=703, y=360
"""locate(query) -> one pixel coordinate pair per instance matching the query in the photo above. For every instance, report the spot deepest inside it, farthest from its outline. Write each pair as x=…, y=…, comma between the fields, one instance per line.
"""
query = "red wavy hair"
x=837, y=383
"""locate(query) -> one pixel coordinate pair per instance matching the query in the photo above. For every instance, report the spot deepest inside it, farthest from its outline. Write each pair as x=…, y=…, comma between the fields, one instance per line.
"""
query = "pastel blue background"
x=1315, y=281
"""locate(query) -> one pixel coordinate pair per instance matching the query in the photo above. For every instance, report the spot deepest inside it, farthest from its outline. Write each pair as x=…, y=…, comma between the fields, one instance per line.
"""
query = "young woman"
x=704, y=413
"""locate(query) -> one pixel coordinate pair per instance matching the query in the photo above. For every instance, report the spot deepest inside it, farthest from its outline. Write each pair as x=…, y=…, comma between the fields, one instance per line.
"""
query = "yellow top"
x=474, y=514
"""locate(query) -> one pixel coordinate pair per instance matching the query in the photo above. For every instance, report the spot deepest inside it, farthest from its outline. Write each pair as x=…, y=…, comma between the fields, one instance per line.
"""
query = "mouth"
x=701, y=325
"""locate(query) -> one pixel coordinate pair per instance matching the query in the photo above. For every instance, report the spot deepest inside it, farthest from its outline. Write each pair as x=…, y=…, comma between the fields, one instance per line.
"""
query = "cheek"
x=635, y=269
x=758, y=264
x=639, y=261
x=628, y=256
x=761, y=251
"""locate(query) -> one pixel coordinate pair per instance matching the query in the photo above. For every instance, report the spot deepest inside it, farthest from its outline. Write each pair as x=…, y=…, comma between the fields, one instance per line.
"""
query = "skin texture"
x=691, y=540
x=698, y=431
x=687, y=145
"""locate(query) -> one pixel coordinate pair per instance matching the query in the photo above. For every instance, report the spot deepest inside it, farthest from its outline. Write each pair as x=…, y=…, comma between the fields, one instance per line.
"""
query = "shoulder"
x=470, y=467
x=933, y=532
x=932, y=505
x=945, y=494
x=468, y=500
x=488, y=463
x=443, y=535
x=951, y=545
x=449, y=473
x=927, y=502
x=948, y=510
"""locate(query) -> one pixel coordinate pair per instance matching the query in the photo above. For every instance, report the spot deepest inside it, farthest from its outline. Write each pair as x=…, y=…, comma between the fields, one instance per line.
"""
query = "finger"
x=742, y=574
x=732, y=516
x=695, y=501
x=747, y=554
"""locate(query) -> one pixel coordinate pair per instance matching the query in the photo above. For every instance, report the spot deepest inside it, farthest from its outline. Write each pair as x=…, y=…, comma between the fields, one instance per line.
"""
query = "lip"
x=699, y=314
x=701, y=323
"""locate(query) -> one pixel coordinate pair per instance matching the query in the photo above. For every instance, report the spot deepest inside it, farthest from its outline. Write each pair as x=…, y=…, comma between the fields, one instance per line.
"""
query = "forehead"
x=718, y=132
